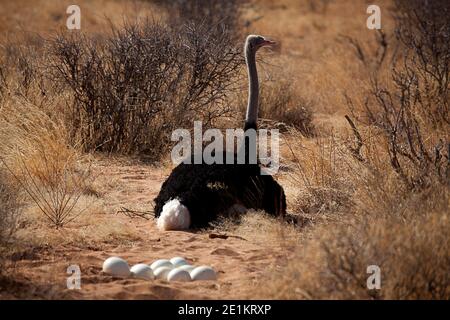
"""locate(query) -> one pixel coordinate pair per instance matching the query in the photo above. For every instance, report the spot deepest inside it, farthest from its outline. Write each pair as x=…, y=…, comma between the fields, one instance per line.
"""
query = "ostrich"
x=195, y=194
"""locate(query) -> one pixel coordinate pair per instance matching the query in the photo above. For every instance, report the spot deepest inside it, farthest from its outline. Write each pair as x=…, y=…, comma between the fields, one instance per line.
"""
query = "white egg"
x=161, y=263
x=178, y=275
x=142, y=271
x=117, y=267
x=162, y=272
x=186, y=267
x=203, y=273
x=178, y=261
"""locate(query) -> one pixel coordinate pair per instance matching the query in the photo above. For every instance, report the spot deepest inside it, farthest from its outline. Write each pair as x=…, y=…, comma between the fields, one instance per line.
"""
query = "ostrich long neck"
x=253, y=91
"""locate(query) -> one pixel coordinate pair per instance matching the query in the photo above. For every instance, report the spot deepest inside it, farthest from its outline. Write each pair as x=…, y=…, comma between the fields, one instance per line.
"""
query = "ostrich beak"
x=268, y=42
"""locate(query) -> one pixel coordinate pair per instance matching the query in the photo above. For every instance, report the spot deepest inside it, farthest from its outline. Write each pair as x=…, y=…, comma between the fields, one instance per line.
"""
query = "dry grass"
x=35, y=152
x=9, y=208
x=333, y=263
x=270, y=229
x=320, y=178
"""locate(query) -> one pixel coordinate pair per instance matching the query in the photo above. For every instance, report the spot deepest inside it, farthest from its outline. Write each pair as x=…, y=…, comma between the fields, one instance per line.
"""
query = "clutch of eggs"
x=175, y=269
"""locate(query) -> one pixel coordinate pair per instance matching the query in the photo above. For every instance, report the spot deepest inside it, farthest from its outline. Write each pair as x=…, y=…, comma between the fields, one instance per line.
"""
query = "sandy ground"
x=239, y=262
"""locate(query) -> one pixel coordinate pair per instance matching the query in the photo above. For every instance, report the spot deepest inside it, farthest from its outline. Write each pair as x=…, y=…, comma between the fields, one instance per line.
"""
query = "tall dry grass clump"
x=320, y=177
x=35, y=152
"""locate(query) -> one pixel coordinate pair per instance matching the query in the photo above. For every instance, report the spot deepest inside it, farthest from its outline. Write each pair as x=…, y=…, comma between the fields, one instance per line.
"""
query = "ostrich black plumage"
x=196, y=194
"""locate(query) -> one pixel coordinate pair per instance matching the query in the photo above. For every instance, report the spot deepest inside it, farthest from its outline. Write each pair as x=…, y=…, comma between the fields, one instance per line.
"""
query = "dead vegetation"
x=280, y=104
x=36, y=155
x=132, y=89
x=333, y=262
x=9, y=208
x=411, y=108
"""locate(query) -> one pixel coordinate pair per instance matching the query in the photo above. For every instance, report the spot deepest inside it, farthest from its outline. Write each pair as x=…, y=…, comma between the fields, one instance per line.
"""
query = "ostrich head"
x=254, y=42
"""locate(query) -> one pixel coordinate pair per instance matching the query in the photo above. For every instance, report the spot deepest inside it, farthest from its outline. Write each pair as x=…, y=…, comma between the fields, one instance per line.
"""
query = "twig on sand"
x=134, y=213
x=224, y=236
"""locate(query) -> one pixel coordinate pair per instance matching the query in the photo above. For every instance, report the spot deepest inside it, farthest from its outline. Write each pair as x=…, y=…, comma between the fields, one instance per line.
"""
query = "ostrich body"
x=196, y=194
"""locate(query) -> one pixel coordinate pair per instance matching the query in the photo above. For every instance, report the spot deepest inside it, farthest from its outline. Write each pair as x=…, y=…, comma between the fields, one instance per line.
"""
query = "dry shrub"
x=423, y=29
x=21, y=66
x=409, y=104
x=215, y=13
x=34, y=150
x=279, y=102
x=133, y=88
x=412, y=254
